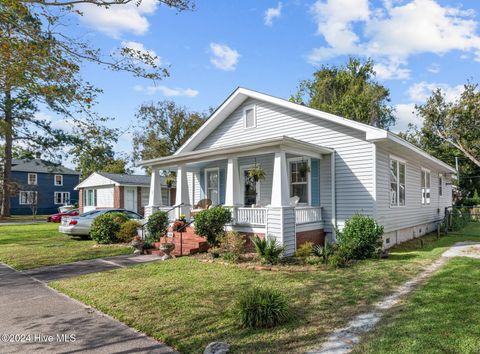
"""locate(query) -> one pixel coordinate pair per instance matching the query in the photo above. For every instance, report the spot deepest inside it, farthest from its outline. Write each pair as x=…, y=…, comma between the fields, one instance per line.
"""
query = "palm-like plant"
x=324, y=251
x=267, y=249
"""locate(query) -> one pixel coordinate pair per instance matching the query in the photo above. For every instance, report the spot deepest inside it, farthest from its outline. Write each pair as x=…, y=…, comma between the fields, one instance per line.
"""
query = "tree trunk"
x=7, y=167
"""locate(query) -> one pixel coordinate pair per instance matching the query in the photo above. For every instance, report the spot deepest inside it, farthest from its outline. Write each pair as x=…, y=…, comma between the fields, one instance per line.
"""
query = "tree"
x=348, y=91
x=162, y=128
x=40, y=66
x=455, y=123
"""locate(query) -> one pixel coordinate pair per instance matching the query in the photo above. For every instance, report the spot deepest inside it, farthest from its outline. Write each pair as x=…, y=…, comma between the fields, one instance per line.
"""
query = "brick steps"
x=191, y=244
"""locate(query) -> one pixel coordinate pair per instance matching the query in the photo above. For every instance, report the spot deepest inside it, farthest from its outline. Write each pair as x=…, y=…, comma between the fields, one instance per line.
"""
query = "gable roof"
x=241, y=94
x=124, y=179
x=97, y=179
x=41, y=166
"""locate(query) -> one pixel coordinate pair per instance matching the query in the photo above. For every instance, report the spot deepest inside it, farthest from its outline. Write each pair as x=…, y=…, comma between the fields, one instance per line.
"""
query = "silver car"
x=80, y=225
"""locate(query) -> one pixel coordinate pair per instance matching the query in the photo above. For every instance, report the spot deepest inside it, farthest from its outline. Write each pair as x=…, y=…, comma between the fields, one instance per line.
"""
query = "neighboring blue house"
x=42, y=185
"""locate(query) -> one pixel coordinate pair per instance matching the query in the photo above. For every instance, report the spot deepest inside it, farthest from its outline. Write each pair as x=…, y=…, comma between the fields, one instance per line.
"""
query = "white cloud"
x=421, y=91
x=394, y=32
x=223, y=57
x=272, y=13
x=118, y=19
x=137, y=46
x=405, y=112
x=391, y=70
x=166, y=91
x=434, y=68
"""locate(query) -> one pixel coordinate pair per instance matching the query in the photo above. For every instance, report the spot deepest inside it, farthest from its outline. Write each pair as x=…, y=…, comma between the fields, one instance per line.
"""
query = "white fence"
x=308, y=215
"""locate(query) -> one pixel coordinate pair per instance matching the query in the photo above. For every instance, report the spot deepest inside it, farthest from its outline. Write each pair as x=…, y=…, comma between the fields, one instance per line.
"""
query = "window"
x=58, y=180
x=251, y=189
x=249, y=117
x=165, y=196
x=89, y=197
x=212, y=185
x=298, y=181
x=440, y=185
x=61, y=197
x=28, y=198
x=425, y=187
x=397, y=182
x=32, y=179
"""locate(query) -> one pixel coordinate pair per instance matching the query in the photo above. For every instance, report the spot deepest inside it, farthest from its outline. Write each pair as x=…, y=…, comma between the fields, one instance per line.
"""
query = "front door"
x=131, y=199
x=250, y=189
x=212, y=186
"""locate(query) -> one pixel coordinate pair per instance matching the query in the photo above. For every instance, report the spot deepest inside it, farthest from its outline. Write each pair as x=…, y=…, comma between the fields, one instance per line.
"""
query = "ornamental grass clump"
x=261, y=308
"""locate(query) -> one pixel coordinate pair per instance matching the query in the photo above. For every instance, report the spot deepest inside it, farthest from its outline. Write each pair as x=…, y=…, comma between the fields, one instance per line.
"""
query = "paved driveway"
x=30, y=312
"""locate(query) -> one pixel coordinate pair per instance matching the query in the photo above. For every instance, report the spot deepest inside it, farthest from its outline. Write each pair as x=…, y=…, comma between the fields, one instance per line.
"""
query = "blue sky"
x=270, y=46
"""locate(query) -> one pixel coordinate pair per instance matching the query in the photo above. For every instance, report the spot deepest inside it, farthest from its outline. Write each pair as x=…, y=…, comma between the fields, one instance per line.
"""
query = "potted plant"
x=138, y=244
x=167, y=248
x=169, y=181
x=303, y=169
x=180, y=223
x=256, y=173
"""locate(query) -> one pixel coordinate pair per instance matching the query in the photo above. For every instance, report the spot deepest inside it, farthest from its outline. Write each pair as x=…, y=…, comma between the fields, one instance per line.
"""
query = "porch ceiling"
x=284, y=143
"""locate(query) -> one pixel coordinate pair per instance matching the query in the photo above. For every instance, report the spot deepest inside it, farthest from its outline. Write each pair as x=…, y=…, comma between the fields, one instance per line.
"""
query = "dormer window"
x=249, y=117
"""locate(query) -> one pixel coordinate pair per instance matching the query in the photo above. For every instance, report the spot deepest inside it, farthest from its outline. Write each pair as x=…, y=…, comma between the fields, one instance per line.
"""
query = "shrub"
x=340, y=259
x=128, y=230
x=304, y=250
x=261, y=308
x=157, y=226
x=460, y=218
x=325, y=251
x=313, y=260
x=210, y=223
x=105, y=227
x=232, y=244
x=361, y=237
x=268, y=250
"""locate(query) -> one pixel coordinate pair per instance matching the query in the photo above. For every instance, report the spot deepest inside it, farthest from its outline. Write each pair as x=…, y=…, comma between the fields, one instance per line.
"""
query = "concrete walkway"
x=343, y=340
x=34, y=317
x=69, y=270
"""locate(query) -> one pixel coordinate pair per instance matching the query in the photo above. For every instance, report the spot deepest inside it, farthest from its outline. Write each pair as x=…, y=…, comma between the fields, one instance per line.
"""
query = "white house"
x=353, y=168
x=113, y=190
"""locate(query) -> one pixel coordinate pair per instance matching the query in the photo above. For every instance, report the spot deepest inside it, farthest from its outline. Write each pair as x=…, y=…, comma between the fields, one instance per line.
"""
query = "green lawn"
x=15, y=218
x=187, y=304
x=32, y=246
x=443, y=316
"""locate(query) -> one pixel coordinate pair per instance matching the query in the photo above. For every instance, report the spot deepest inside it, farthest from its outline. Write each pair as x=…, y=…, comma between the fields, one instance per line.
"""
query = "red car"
x=58, y=216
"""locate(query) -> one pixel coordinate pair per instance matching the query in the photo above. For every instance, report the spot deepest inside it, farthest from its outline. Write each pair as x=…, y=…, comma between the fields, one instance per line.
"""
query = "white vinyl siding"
x=413, y=213
x=145, y=195
x=354, y=160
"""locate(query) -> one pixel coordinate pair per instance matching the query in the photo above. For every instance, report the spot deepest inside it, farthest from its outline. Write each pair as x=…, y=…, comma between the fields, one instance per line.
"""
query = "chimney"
x=38, y=155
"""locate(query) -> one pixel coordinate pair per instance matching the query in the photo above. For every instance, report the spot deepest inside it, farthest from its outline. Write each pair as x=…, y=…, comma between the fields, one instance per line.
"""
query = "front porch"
x=284, y=204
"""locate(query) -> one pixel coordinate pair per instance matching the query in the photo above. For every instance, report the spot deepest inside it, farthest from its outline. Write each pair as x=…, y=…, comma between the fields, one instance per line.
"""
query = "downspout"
x=334, y=201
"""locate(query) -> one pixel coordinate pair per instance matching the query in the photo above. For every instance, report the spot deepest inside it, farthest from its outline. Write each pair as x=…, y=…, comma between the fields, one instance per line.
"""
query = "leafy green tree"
x=40, y=67
x=348, y=91
x=162, y=128
x=455, y=123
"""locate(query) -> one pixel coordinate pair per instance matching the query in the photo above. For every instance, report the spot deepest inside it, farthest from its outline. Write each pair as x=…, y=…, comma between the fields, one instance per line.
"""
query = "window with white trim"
x=298, y=179
x=440, y=185
x=58, y=180
x=397, y=182
x=426, y=182
x=249, y=117
x=61, y=197
x=28, y=198
x=32, y=179
x=89, y=197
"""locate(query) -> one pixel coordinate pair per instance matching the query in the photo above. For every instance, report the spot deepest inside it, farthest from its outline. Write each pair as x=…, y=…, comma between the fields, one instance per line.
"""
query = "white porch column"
x=155, y=196
x=182, y=193
x=233, y=196
x=280, y=189
x=280, y=215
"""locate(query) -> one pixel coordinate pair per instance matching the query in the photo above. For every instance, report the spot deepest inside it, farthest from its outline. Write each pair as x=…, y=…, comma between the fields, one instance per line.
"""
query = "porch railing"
x=250, y=216
x=308, y=215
